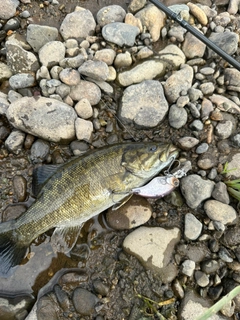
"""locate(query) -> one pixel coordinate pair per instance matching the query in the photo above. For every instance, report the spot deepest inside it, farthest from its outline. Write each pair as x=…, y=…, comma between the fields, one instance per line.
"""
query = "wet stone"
x=134, y=213
x=20, y=188
x=215, y=292
x=84, y=301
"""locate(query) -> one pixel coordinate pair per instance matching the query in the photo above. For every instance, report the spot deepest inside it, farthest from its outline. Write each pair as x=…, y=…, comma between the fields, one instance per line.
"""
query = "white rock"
x=84, y=129
x=84, y=109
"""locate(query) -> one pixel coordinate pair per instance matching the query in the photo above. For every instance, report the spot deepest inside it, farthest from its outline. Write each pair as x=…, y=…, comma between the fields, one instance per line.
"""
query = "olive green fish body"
x=81, y=189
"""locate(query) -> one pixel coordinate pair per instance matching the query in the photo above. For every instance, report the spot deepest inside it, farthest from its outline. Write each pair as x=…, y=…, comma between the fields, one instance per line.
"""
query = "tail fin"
x=11, y=250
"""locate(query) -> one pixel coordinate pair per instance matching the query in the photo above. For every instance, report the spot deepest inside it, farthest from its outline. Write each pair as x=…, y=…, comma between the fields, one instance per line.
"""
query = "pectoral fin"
x=64, y=239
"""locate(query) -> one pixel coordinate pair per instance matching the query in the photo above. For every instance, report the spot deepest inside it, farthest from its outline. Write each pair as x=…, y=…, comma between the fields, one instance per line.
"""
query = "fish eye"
x=153, y=148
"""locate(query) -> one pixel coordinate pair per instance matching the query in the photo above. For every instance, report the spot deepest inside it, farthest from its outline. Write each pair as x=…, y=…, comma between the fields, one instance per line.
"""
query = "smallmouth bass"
x=78, y=190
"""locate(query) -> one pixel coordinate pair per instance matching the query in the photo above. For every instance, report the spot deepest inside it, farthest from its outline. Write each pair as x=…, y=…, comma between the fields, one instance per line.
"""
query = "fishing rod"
x=176, y=17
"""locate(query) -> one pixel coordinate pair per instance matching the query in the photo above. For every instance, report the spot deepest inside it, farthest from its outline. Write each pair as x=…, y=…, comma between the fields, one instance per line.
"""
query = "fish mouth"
x=170, y=154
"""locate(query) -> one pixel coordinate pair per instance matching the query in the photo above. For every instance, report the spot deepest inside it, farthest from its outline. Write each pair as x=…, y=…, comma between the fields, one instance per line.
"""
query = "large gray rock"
x=78, y=25
x=45, y=118
x=195, y=190
x=143, y=104
x=20, y=60
x=227, y=41
x=22, y=80
x=38, y=35
x=154, y=248
x=120, y=33
x=146, y=70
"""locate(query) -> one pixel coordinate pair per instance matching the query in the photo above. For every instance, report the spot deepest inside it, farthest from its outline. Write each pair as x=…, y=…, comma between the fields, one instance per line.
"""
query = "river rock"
x=69, y=76
x=154, y=248
x=38, y=36
x=219, y=211
x=51, y=53
x=3, y=103
x=8, y=9
x=224, y=104
x=20, y=188
x=153, y=19
x=220, y=193
x=123, y=60
x=177, y=116
x=113, y=13
x=5, y=71
x=14, y=141
x=120, y=33
x=198, y=13
x=173, y=55
x=234, y=167
x=227, y=41
x=98, y=70
x=39, y=151
x=84, y=129
x=22, y=80
x=143, y=104
x=193, y=227
x=188, y=143
x=78, y=25
x=106, y=55
x=84, y=109
x=146, y=70
x=193, y=47
x=20, y=60
x=84, y=301
x=133, y=21
x=45, y=118
x=132, y=214
x=179, y=81
x=224, y=129
x=195, y=190
x=136, y=5
x=87, y=90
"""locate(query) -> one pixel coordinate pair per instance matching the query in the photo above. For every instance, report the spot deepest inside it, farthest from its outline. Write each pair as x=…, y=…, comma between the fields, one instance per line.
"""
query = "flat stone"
x=20, y=60
x=173, y=55
x=224, y=104
x=153, y=247
x=45, y=118
x=98, y=70
x=219, y=211
x=38, y=36
x=22, y=80
x=143, y=104
x=120, y=33
x=78, y=25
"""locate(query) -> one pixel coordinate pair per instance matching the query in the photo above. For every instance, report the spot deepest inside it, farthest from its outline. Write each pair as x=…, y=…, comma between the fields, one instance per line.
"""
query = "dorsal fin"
x=41, y=175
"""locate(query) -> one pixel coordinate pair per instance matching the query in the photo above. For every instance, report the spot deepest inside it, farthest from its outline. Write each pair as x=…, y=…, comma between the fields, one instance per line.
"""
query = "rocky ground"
x=74, y=80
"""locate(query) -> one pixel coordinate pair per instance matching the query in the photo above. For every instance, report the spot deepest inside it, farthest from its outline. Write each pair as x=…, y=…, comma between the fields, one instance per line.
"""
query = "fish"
x=158, y=187
x=72, y=193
